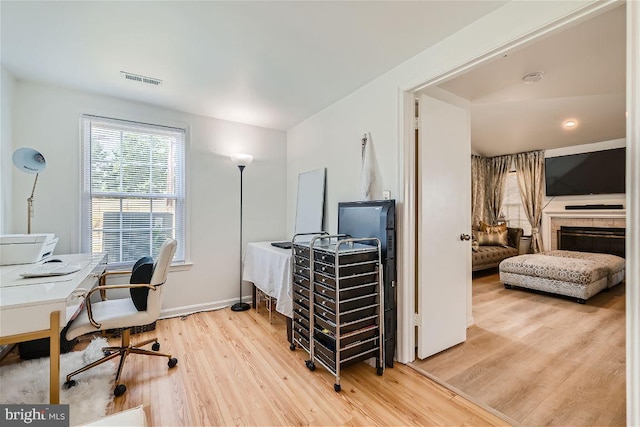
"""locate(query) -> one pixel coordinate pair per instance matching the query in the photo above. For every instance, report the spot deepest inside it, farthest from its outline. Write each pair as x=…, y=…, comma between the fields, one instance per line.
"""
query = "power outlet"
x=386, y=195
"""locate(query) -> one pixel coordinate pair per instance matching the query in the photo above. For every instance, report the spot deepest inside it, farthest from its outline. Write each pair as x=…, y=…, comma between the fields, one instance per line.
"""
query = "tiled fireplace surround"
x=553, y=220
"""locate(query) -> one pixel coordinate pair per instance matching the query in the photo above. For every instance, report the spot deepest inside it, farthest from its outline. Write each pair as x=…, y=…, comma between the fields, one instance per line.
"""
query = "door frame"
x=407, y=225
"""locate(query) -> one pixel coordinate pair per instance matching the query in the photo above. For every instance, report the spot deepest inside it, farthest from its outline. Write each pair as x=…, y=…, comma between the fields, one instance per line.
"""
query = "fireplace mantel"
x=604, y=217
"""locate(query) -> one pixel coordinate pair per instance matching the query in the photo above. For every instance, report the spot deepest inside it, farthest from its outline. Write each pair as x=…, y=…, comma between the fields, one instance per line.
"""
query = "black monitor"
x=369, y=219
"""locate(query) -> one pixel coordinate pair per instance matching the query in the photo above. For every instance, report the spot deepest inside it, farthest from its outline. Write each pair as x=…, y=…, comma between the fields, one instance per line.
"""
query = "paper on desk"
x=9, y=280
x=10, y=276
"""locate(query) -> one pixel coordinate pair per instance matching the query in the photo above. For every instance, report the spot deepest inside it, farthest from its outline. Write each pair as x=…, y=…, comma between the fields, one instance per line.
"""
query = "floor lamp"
x=31, y=161
x=241, y=160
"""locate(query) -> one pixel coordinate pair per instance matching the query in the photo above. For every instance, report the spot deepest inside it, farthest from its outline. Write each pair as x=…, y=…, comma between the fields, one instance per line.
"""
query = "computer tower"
x=35, y=349
x=377, y=219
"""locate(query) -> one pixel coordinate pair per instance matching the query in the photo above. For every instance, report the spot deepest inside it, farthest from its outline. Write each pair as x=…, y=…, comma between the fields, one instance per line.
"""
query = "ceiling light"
x=570, y=124
x=534, y=77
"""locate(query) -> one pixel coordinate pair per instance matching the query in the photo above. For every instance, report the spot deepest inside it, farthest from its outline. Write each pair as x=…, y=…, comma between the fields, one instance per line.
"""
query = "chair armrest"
x=103, y=289
x=103, y=280
x=103, y=276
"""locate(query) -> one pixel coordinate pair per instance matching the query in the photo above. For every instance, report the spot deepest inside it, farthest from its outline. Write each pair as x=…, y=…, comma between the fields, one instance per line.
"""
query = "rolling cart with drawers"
x=338, y=314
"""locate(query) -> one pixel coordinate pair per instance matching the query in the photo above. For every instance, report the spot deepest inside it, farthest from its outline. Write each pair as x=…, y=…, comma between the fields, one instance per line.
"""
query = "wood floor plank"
x=541, y=359
x=237, y=369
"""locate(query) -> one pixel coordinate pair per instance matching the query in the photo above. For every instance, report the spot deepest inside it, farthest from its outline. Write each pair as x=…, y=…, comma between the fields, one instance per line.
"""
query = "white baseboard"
x=196, y=308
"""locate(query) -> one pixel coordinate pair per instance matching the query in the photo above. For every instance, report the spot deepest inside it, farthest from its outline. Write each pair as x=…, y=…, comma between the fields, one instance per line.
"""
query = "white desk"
x=39, y=308
x=269, y=269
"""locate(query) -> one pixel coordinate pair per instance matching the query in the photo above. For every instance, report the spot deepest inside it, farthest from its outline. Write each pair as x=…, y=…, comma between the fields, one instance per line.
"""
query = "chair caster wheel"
x=106, y=353
x=292, y=347
x=68, y=384
x=337, y=387
x=155, y=346
x=310, y=365
x=119, y=390
x=379, y=371
x=172, y=362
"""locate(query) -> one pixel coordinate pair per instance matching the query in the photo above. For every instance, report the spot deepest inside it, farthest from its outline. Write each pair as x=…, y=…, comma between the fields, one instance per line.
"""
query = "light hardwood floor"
x=539, y=359
x=237, y=369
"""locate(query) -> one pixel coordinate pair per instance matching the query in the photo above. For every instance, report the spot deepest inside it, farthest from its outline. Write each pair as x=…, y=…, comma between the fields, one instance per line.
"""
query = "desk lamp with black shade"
x=241, y=160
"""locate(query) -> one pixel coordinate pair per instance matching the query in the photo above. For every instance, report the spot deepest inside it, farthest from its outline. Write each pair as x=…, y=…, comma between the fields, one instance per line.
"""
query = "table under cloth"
x=269, y=269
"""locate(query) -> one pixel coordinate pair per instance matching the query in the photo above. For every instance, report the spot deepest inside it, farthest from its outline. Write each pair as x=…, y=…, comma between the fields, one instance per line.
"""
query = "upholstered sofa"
x=490, y=256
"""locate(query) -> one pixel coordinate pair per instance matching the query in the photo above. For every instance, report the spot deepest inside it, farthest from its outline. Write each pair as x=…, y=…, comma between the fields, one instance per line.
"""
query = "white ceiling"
x=265, y=63
x=584, y=80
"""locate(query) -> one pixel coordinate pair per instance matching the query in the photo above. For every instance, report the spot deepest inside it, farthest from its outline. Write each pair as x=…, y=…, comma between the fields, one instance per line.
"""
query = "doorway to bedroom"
x=525, y=356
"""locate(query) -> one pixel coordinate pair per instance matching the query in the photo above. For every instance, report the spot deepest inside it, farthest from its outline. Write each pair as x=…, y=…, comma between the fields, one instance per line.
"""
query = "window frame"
x=87, y=122
x=523, y=214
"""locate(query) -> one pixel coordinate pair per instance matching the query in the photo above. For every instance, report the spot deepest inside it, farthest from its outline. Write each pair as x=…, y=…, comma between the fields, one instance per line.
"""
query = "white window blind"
x=512, y=207
x=133, y=189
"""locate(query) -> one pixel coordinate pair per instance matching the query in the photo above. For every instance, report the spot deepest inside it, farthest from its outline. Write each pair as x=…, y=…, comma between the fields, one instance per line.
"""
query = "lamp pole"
x=241, y=306
x=31, y=161
x=30, y=205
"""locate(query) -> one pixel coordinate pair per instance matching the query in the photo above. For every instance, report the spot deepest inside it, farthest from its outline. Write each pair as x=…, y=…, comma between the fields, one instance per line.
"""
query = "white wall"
x=47, y=118
x=331, y=138
x=6, y=139
x=558, y=203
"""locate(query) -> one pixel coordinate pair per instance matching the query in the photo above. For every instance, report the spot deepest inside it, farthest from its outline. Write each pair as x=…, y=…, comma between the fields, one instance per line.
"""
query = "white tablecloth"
x=269, y=268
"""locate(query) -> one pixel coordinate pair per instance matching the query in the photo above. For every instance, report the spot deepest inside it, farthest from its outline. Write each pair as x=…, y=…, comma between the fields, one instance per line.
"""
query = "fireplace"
x=552, y=220
x=606, y=240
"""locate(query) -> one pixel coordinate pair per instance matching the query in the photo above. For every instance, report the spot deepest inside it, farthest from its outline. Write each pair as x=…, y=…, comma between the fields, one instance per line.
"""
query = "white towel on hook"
x=367, y=178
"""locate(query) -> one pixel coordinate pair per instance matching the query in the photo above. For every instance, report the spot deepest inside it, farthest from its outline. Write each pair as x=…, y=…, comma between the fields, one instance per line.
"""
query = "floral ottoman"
x=614, y=263
x=579, y=275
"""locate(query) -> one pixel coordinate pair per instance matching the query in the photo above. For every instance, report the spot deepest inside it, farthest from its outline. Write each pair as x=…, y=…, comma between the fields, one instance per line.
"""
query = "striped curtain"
x=478, y=178
x=530, y=172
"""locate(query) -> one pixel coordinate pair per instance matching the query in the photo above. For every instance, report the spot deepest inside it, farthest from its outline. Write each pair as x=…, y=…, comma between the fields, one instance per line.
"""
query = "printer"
x=26, y=248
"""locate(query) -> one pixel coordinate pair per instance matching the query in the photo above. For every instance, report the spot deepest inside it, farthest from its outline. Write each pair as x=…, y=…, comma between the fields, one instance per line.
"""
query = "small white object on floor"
x=134, y=417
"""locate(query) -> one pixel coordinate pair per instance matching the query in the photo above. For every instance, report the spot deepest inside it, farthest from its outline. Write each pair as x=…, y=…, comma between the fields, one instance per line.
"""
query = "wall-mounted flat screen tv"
x=596, y=172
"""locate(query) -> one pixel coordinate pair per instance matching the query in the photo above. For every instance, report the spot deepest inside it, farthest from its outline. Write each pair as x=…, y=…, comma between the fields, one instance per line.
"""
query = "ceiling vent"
x=534, y=77
x=141, y=79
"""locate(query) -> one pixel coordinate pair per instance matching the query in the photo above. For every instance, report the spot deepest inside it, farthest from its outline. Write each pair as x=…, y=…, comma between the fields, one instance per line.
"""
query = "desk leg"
x=254, y=295
x=54, y=358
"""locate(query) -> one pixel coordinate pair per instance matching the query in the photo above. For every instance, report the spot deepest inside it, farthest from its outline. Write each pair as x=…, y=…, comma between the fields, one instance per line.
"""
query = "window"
x=133, y=189
x=512, y=207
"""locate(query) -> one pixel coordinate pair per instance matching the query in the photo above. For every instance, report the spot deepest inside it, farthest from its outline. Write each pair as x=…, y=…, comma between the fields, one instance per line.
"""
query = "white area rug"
x=28, y=382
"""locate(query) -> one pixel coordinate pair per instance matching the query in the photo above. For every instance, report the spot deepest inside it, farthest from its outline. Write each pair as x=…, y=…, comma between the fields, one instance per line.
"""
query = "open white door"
x=444, y=200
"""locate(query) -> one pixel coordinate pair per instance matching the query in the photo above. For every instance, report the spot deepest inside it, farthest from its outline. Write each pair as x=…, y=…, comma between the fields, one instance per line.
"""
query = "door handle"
x=465, y=237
